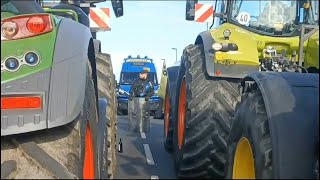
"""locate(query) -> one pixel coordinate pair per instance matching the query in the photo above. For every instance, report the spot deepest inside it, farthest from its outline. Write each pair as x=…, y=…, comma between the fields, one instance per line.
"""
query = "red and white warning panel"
x=203, y=13
x=100, y=19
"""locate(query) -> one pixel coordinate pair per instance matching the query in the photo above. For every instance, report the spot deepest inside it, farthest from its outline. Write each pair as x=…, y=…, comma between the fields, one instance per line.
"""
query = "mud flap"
x=139, y=115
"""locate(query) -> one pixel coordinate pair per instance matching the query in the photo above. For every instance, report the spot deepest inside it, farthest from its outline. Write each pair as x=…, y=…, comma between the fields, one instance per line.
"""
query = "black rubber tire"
x=170, y=91
x=57, y=152
x=122, y=112
x=210, y=106
x=106, y=89
x=251, y=122
x=159, y=112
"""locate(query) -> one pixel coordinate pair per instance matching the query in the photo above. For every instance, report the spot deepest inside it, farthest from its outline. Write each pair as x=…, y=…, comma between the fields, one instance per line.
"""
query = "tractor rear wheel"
x=249, y=144
x=202, y=120
x=106, y=88
x=251, y=152
x=63, y=152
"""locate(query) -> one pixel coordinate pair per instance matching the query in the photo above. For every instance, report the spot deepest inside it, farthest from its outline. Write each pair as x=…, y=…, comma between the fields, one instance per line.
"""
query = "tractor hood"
x=252, y=44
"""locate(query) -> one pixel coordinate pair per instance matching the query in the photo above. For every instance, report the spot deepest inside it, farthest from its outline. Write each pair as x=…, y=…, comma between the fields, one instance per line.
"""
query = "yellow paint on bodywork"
x=163, y=82
x=251, y=45
x=312, y=52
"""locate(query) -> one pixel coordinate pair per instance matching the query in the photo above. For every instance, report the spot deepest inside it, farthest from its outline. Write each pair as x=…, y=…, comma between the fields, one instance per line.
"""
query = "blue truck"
x=130, y=70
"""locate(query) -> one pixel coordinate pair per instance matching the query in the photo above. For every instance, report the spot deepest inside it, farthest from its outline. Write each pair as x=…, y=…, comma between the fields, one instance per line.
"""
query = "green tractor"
x=245, y=103
x=58, y=116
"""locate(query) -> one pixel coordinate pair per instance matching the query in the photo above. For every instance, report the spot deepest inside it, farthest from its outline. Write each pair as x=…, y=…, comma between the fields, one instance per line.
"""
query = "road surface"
x=143, y=156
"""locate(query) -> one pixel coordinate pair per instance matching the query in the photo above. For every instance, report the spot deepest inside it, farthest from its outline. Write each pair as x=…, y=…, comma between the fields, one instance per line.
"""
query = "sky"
x=149, y=28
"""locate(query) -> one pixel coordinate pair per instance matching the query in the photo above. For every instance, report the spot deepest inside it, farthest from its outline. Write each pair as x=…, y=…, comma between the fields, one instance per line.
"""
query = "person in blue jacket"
x=142, y=87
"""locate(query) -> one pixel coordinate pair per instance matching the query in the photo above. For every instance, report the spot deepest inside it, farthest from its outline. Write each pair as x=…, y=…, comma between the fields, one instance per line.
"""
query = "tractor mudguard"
x=228, y=70
x=68, y=75
x=206, y=39
x=102, y=130
x=291, y=102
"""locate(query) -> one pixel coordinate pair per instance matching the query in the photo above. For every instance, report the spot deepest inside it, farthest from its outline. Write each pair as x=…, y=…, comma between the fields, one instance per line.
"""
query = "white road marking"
x=143, y=135
x=147, y=151
x=154, y=177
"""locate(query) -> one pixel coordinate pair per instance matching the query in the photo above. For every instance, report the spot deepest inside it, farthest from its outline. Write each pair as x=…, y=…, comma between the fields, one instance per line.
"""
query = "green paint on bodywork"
x=43, y=45
x=251, y=45
x=5, y=15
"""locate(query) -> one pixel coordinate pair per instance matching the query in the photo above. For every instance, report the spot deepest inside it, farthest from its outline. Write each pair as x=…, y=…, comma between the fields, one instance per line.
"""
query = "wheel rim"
x=182, y=113
x=166, y=114
x=88, y=165
x=243, y=167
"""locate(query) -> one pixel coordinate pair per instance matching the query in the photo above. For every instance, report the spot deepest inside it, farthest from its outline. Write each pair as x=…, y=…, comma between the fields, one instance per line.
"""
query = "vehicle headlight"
x=217, y=46
x=122, y=92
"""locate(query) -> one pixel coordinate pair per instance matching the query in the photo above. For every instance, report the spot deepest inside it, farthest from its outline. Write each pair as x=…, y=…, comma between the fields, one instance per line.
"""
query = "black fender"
x=292, y=106
x=92, y=59
x=97, y=46
x=172, y=75
x=206, y=40
x=102, y=134
x=83, y=17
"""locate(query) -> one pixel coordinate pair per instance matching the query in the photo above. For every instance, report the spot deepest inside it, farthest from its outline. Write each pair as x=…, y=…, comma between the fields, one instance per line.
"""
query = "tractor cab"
x=277, y=32
x=268, y=18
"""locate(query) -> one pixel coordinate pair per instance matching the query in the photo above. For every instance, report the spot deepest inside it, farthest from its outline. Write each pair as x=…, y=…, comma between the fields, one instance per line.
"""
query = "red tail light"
x=25, y=26
x=36, y=24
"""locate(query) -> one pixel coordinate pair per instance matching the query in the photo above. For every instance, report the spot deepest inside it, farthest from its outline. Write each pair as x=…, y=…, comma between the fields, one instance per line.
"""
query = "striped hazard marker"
x=203, y=13
x=100, y=19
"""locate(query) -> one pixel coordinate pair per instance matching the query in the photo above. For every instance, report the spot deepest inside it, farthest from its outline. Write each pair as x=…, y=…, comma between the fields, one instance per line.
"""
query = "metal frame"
x=303, y=37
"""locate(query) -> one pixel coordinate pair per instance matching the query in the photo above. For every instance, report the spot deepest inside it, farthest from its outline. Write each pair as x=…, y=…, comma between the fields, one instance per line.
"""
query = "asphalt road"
x=143, y=156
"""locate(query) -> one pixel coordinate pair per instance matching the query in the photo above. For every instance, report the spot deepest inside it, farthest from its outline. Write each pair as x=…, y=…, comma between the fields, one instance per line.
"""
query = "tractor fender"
x=172, y=74
x=97, y=46
x=68, y=73
x=102, y=131
x=292, y=103
x=247, y=54
x=206, y=39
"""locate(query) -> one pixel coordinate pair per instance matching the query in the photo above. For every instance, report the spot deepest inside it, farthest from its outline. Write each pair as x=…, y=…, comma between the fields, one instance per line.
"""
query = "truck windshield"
x=129, y=77
x=274, y=17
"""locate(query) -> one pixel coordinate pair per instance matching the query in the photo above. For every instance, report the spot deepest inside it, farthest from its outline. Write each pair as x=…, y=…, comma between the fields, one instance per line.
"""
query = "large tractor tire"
x=169, y=106
x=202, y=120
x=262, y=147
x=75, y=150
x=159, y=112
x=106, y=89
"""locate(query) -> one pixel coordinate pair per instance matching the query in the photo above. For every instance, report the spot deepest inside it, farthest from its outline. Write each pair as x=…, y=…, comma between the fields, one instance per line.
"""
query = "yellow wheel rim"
x=243, y=165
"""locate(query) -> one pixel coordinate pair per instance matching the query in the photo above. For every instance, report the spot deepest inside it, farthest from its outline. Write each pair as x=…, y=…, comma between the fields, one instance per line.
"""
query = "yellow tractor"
x=245, y=103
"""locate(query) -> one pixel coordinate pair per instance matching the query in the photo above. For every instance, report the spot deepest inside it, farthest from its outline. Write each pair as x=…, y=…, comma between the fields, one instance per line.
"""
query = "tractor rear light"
x=20, y=103
x=9, y=29
x=20, y=27
x=36, y=24
x=218, y=72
